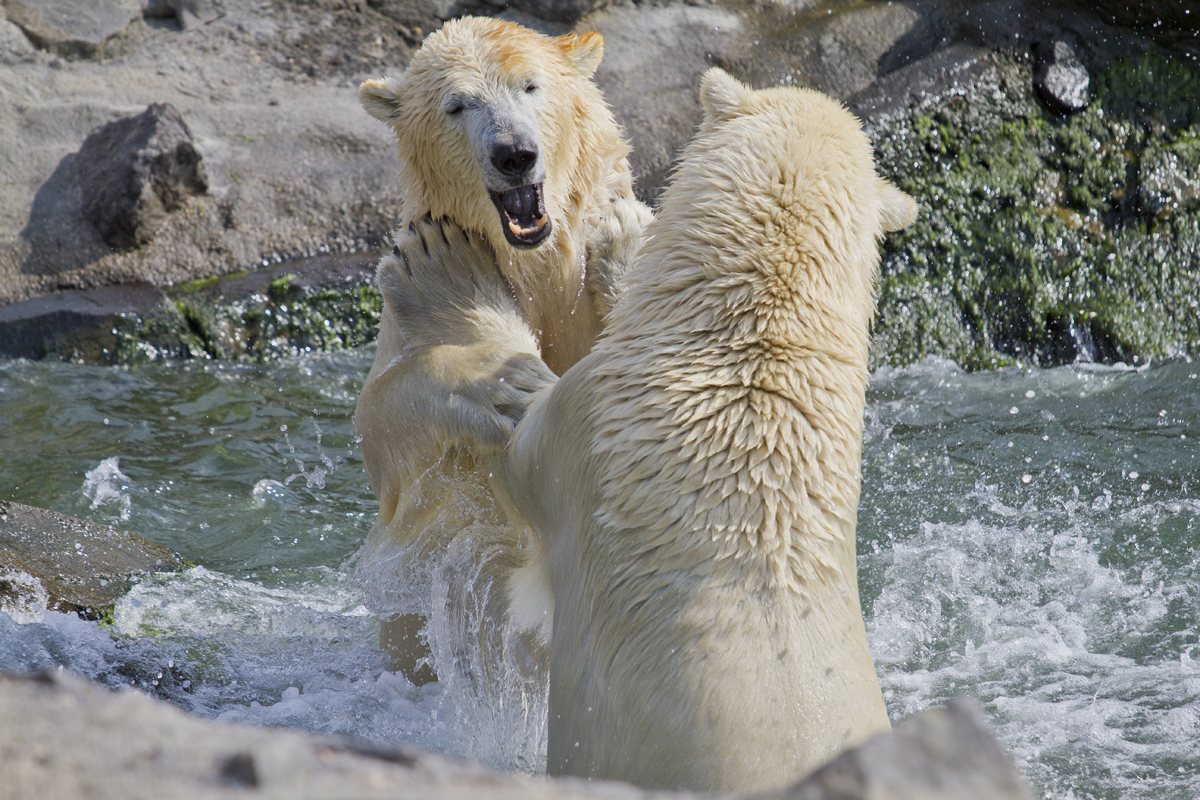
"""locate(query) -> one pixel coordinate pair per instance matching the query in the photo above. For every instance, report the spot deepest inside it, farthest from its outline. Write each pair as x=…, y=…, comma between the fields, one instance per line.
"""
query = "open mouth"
x=523, y=215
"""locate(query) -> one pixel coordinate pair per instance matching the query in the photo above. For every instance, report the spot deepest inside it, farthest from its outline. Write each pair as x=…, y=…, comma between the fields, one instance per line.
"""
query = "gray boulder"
x=47, y=325
x=135, y=171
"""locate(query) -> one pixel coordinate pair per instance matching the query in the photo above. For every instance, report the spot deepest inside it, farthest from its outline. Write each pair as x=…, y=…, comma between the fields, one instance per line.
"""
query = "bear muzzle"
x=523, y=215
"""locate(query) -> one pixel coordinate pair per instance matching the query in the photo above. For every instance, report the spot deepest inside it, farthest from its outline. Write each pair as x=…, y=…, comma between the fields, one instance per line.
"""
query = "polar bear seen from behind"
x=693, y=483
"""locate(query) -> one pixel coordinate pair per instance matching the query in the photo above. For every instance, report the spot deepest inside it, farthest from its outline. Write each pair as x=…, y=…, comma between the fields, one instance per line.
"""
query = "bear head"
x=484, y=117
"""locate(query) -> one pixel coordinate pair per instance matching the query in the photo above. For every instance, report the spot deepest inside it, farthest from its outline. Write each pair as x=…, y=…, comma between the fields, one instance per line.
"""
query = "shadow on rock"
x=116, y=192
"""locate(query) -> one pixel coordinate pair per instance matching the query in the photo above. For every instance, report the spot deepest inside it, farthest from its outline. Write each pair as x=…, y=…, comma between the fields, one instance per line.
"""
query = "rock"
x=945, y=754
x=125, y=745
x=1169, y=179
x=950, y=72
x=14, y=44
x=192, y=13
x=554, y=11
x=79, y=740
x=653, y=59
x=838, y=54
x=321, y=303
x=81, y=566
x=71, y=28
x=1060, y=78
x=135, y=171
x=44, y=325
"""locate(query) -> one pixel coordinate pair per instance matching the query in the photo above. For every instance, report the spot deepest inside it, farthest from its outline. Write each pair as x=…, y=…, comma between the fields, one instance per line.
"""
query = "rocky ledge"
x=1054, y=148
x=125, y=745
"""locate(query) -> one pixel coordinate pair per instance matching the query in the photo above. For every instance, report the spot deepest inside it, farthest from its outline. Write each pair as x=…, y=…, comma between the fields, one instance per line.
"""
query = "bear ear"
x=381, y=98
x=583, y=51
x=899, y=210
x=721, y=94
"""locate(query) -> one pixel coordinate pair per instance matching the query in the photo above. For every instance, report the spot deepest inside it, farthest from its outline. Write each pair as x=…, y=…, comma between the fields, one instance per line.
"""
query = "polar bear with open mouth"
x=501, y=131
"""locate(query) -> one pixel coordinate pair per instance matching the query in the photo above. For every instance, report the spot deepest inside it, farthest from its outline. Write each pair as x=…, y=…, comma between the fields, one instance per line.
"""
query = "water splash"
x=106, y=485
x=315, y=478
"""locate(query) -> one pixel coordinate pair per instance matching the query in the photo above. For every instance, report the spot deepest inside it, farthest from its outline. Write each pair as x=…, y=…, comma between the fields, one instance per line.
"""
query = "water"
x=1026, y=538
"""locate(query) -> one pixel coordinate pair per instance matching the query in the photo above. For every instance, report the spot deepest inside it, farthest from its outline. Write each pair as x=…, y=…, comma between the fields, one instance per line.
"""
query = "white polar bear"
x=693, y=483
x=500, y=130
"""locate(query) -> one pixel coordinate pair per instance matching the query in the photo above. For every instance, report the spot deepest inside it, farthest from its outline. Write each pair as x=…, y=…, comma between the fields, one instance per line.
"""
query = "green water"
x=1027, y=538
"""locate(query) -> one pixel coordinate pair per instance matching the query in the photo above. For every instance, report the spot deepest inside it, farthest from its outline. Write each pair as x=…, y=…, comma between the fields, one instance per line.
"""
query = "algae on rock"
x=1044, y=239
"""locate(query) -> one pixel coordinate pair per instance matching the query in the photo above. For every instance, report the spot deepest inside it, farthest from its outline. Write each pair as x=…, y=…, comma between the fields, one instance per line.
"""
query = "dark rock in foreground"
x=128, y=746
x=82, y=566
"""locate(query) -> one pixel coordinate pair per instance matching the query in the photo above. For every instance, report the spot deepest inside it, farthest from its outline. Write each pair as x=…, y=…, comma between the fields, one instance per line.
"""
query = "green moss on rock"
x=1043, y=238
x=286, y=320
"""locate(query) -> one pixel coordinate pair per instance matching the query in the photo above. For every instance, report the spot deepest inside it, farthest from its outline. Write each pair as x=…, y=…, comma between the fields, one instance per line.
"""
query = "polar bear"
x=500, y=130
x=693, y=483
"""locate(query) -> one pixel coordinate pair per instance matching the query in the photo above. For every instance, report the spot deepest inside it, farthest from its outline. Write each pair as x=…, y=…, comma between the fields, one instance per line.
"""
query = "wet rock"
x=135, y=171
x=942, y=754
x=321, y=303
x=71, y=28
x=81, y=566
x=1060, y=78
x=1033, y=236
x=73, y=323
x=1170, y=179
x=839, y=54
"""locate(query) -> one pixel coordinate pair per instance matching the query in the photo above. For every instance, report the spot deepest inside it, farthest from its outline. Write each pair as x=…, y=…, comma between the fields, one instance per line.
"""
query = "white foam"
x=106, y=485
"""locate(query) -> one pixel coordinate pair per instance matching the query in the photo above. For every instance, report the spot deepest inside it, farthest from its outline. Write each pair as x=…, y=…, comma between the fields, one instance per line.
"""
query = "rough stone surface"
x=135, y=171
x=44, y=325
x=192, y=13
x=14, y=44
x=653, y=59
x=81, y=566
x=1060, y=78
x=72, y=28
x=125, y=745
x=554, y=11
x=944, y=754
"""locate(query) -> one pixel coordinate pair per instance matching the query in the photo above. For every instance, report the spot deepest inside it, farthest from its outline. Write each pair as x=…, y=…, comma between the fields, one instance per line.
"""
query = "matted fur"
x=693, y=483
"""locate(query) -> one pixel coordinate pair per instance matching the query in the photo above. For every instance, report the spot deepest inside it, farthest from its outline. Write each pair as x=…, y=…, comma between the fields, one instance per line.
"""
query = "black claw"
x=396, y=250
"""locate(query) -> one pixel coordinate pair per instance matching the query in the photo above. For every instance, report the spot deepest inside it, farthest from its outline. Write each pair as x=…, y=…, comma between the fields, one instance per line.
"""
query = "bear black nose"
x=514, y=160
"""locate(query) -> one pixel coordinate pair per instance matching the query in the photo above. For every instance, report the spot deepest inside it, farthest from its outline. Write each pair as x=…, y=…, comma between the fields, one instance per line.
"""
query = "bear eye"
x=454, y=106
x=531, y=88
